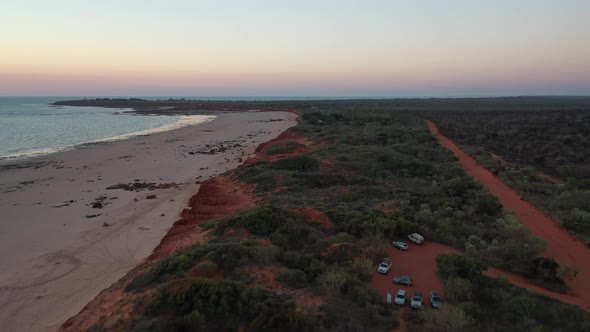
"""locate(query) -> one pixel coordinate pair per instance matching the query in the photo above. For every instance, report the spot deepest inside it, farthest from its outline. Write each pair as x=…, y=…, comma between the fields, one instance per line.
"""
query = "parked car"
x=400, y=298
x=435, y=300
x=416, y=238
x=403, y=280
x=416, y=302
x=401, y=245
x=385, y=266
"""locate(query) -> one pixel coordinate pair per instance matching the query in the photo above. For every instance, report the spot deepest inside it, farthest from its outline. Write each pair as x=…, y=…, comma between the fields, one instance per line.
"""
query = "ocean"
x=30, y=126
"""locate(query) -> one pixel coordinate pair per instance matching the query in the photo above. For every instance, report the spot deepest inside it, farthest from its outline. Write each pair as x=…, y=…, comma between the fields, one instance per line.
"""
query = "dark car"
x=403, y=280
x=401, y=245
x=435, y=300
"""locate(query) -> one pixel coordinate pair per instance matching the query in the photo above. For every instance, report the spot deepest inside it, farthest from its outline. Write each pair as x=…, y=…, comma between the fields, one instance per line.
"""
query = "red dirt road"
x=561, y=246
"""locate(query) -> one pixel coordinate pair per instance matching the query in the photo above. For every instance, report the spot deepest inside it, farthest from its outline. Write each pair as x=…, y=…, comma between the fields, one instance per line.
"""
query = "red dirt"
x=264, y=275
x=279, y=189
x=309, y=301
x=387, y=207
x=561, y=246
x=311, y=214
x=285, y=137
x=328, y=164
x=419, y=262
x=218, y=197
x=111, y=305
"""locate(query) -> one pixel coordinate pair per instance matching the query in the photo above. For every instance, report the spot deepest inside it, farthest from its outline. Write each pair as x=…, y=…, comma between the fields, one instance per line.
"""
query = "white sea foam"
x=183, y=121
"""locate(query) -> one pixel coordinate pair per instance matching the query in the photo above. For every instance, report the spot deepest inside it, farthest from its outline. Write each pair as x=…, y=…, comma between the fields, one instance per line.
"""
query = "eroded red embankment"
x=217, y=197
x=220, y=197
x=561, y=246
x=287, y=136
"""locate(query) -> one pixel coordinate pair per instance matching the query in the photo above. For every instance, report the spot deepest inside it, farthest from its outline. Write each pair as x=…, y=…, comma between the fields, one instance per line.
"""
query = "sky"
x=387, y=48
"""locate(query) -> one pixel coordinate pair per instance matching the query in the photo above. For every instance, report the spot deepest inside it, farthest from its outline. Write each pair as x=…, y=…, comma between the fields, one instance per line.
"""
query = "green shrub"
x=206, y=267
x=179, y=264
x=220, y=305
x=293, y=278
x=342, y=237
x=298, y=163
x=262, y=221
x=453, y=265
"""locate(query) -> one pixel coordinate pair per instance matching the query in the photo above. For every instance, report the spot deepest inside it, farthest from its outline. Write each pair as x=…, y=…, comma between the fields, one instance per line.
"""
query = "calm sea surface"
x=29, y=126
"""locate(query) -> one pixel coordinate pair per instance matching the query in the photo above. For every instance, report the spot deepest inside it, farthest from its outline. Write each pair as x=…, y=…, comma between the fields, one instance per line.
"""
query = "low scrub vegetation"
x=478, y=303
x=545, y=156
x=368, y=155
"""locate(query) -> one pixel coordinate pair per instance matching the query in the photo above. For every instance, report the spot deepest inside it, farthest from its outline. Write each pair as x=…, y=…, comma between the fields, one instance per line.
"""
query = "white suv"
x=385, y=266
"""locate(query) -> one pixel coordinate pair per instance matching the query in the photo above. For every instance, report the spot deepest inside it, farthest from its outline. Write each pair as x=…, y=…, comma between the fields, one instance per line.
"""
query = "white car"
x=385, y=266
x=416, y=302
x=400, y=298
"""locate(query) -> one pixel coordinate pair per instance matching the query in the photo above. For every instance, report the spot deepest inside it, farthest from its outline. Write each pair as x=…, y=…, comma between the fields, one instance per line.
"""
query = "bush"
x=263, y=220
x=342, y=237
x=298, y=163
x=453, y=265
x=293, y=278
x=206, y=267
x=179, y=264
x=220, y=305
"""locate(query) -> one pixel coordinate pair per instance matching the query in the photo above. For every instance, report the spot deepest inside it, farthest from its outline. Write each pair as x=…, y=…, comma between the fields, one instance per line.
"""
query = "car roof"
x=401, y=291
x=417, y=293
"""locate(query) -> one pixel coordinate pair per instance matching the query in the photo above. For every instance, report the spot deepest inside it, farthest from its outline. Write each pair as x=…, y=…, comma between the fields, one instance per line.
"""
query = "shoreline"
x=70, y=237
x=182, y=121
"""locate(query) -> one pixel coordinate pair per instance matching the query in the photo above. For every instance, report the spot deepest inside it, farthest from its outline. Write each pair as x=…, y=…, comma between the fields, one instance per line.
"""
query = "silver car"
x=435, y=300
x=403, y=280
x=401, y=245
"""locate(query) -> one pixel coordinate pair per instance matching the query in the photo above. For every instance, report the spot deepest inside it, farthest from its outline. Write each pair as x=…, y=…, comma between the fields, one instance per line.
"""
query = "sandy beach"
x=64, y=236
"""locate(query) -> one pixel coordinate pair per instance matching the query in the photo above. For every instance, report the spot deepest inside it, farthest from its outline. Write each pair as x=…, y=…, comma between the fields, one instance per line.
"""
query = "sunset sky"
x=295, y=48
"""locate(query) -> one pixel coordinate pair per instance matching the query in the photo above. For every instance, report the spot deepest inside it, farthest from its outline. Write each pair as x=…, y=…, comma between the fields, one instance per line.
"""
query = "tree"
x=334, y=281
x=488, y=204
x=458, y=289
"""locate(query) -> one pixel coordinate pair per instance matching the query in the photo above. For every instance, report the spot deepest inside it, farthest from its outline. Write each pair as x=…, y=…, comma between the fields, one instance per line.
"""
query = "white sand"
x=54, y=260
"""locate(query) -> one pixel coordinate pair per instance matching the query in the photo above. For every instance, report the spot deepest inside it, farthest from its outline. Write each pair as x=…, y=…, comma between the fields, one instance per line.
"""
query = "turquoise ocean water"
x=29, y=126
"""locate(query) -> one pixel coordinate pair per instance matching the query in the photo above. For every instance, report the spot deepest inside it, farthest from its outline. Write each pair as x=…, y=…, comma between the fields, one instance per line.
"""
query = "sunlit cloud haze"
x=296, y=48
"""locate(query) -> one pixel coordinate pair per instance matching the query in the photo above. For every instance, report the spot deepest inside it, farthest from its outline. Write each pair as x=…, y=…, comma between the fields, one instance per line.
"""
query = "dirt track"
x=561, y=246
